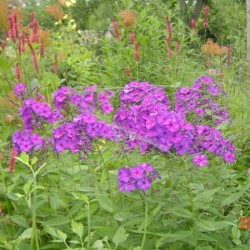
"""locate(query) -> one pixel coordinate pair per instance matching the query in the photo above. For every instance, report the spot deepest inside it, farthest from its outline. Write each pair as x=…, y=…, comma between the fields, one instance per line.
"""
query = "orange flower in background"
x=55, y=11
x=62, y=2
x=213, y=49
x=129, y=18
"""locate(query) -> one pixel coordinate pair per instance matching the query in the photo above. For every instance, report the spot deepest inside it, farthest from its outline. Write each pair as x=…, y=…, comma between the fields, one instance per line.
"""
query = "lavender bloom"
x=200, y=160
x=25, y=141
x=19, y=89
x=139, y=177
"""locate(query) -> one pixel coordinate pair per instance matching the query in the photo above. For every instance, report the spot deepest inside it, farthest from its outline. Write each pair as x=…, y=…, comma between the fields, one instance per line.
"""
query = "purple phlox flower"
x=200, y=160
x=214, y=90
x=139, y=177
x=143, y=183
x=19, y=89
x=229, y=157
x=25, y=141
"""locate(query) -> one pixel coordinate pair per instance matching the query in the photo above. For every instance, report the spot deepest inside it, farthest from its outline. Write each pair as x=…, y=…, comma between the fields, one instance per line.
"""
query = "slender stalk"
x=145, y=224
x=33, y=209
x=89, y=225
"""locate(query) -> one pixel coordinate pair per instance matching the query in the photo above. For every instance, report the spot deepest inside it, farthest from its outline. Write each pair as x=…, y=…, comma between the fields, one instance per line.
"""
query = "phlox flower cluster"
x=75, y=132
x=89, y=101
x=201, y=101
x=79, y=134
x=19, y=90
x=139, y=177
x=25, y=141
x=146, y=120
x=34, y=113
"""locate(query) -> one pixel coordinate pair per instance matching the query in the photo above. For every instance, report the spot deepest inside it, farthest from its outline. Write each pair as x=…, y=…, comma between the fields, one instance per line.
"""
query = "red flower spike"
x=127, y=71
x=132, y=37
x=12, y=162
x=170, y=53
x=35, y=31
x=178, y=46
x=137, y=55
x=116, y=30
x=35, y=62
x=18, y=72
x=193, y=25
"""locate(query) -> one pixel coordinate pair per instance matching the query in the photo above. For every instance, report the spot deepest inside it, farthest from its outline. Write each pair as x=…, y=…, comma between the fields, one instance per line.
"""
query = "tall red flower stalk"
x=18, y=72
x=116, y=30
x=193, y=25
x=13, y=30
x=21, y=43
x=12, y=162
x=178, y=46
x=205, y=20
x=35, y=62
x=132, y=37
x=127, y=70
x=35, y=31
x=136, y=52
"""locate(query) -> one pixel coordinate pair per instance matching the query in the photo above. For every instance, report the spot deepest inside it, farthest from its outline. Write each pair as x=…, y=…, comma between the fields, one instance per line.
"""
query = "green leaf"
x=56, y=233
x=98, y=244
x=120, y=236
x=106, y=203
x=34, y=160
x=19, y=220
x=181, y=212
x=77, y=228
x=27, y=186
x=13, y=196
x=172, y=237
x=56, y=221
x=24, y=158
x=26, y=234
x=206, y=225
x=231, y=199
x=206, y=195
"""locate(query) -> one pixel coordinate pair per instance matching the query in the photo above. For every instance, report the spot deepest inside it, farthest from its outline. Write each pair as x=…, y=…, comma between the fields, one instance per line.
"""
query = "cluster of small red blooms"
x=193, y=25
x=13, y=31
x=116, y=30
x=178, y=46
x=18, y=72
x=132, y=37
x=205, y=20
x=137, y=55
x=24, y=39
x=127, y=71
x=35, y=62
x=12, y=163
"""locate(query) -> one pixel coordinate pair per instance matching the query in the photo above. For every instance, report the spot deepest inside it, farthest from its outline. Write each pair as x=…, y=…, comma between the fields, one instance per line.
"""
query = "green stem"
x=89, y=225
x=145, y=224
x=33, y=209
